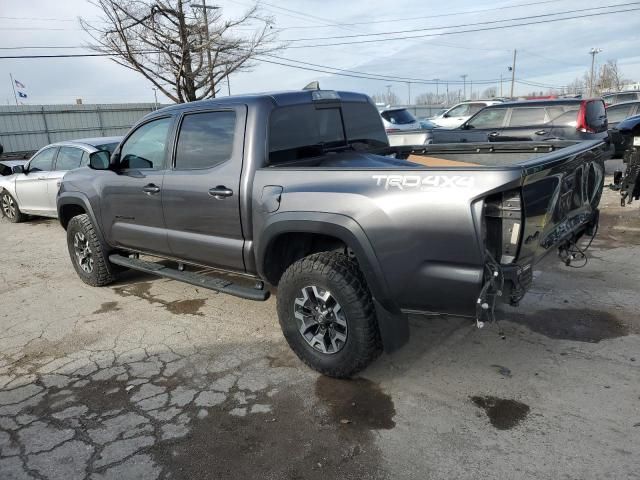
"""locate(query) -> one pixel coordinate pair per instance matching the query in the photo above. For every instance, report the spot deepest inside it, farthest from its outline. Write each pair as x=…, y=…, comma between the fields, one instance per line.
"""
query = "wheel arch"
x=72, y=204
x=340, y=228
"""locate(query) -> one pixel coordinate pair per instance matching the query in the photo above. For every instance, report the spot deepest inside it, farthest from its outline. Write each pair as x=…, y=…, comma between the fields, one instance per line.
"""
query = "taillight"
x=503, y=225
x=581, y=121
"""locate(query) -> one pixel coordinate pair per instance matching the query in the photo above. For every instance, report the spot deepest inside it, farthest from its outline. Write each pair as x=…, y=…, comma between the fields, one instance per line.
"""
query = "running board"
x=217, y=284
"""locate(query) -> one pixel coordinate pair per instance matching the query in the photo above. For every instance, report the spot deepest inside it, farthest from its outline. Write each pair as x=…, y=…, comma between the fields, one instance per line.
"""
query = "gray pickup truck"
x=301, y=191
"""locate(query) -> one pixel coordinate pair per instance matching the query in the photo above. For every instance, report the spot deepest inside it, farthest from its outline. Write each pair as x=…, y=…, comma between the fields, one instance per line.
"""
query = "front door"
x=131, y=197
x=31, y=187
x=201, y=193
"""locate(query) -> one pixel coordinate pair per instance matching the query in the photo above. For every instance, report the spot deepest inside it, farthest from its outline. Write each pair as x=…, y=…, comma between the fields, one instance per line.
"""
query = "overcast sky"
x=548, y=53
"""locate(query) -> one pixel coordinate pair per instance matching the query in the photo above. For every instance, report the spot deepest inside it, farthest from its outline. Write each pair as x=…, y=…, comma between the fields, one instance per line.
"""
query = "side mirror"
x=445, y=115
x=99, y=160
x=18, y=169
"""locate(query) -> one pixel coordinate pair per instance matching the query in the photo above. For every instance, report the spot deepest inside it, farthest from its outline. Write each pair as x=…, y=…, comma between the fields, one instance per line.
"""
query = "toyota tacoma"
x=301, y=192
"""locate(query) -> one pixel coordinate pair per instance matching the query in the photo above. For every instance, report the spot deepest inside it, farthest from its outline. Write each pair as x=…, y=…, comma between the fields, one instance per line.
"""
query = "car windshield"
x=305, y=131
x=398, y=117
x=109, y=147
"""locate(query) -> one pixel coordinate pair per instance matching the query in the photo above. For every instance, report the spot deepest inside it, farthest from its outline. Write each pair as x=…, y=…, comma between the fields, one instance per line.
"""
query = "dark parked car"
x=616, y=114
x=620, y=97
x=566, y=119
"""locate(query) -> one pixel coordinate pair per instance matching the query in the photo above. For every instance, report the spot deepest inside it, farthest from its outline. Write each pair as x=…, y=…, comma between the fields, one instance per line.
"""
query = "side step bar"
x=217, y=284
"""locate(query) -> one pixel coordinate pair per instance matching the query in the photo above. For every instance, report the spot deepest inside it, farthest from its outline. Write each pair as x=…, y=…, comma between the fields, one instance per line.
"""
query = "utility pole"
x=13, y=85
x=204, y=8
x=436, y=80
x=409, y=85
x=500, y=85
x=593, y=52
x=513, y=73
x=155, y=96
x=464, y=85
x=388, y=94
x=471, y=89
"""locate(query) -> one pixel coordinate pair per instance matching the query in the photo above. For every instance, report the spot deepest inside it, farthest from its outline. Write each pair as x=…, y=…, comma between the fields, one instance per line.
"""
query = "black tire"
x=10, y=208
x=334, y=273
x=96, y=271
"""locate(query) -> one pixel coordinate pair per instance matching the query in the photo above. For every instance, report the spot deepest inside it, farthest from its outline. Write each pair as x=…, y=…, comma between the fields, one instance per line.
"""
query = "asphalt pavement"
x=150, y=378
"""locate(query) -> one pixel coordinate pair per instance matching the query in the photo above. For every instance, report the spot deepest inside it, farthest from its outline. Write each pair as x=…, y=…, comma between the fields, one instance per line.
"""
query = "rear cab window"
x=305, y=131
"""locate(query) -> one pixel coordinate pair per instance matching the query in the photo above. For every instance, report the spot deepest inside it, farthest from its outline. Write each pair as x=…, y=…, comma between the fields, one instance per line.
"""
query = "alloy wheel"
x=8, y=206
x=321, y=321
x=84, y=255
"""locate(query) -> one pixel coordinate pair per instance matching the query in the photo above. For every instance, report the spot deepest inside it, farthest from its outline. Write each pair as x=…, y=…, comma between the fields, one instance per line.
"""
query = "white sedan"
x=32, y=188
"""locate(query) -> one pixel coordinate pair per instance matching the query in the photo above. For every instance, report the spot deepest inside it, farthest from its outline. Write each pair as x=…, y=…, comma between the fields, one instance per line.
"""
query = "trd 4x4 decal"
x=422, y=182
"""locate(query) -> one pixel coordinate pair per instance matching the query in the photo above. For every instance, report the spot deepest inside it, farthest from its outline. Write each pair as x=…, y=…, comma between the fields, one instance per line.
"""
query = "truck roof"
x=283, y=98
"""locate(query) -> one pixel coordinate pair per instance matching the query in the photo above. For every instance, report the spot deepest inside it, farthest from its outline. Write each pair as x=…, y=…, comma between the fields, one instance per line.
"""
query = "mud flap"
x=394, y=328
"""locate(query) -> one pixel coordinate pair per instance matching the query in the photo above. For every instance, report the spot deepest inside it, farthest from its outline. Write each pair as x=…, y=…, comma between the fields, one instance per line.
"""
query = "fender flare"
x=393, y=324
x=81, y=200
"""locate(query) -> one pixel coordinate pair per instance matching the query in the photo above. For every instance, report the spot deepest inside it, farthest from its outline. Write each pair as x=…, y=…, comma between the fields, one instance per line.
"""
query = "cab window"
x=43, y=161
x=205, y=140
x=459, y=111
x=146, y=147
x=527, y=116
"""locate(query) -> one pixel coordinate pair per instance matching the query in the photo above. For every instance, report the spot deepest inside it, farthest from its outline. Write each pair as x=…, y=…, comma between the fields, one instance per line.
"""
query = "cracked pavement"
x=152, y=379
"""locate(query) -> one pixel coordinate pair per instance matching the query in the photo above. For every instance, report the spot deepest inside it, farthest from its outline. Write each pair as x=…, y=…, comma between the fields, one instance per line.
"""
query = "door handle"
x=151, y=189
x=541, y=132
x=220, y=192
x=494, y=134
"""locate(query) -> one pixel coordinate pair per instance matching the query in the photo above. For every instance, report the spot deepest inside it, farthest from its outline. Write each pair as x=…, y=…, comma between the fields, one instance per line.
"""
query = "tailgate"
x=560, y=196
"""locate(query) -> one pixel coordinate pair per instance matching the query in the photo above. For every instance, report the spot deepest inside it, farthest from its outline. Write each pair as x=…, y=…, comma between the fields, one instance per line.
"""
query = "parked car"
x=616, y=114
x=566, y=119
x=32, y=187
x=619, y=97
x=623, y=134
x=300, y=190
x=397, y=119
x=460, y=113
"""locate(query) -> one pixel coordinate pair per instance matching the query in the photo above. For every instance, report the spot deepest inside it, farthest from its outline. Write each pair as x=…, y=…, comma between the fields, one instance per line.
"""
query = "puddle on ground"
x=580, y=325
x=504, y=414
x=107, y=307
x=360, y=402
x=185, y=307
x=142, y=290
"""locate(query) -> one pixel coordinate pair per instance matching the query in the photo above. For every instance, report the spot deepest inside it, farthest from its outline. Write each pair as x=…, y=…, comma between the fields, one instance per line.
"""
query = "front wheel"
x=87, y=252
x=10, y=208
x=327, y=314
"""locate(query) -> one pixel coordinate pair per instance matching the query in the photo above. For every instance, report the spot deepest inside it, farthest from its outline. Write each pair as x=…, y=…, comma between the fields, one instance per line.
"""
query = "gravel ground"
x=151, y=378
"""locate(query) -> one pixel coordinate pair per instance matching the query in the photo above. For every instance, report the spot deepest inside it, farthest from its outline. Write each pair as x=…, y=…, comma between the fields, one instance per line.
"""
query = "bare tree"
x=170, y=43
x=610, y=78
x=490, y=92
x=389, y=98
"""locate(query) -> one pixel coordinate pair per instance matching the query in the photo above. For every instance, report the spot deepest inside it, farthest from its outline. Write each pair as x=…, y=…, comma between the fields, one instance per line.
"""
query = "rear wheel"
x=327, y=315
x=87, y=252
x=10, y=208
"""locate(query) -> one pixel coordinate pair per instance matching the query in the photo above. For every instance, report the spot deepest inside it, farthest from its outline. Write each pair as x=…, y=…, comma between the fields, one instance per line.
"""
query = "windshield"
x=306, y=131
x=398, y=117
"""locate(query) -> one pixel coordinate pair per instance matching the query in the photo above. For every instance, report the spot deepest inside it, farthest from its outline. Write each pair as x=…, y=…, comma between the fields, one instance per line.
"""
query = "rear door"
x=131, y=200
x=525, y=124
x=201, y=192
x=31, y=187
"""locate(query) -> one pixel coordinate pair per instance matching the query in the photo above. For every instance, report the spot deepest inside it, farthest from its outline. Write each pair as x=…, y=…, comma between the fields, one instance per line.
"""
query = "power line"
x=566, y=12
x=498, y=27
x=393, y=20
